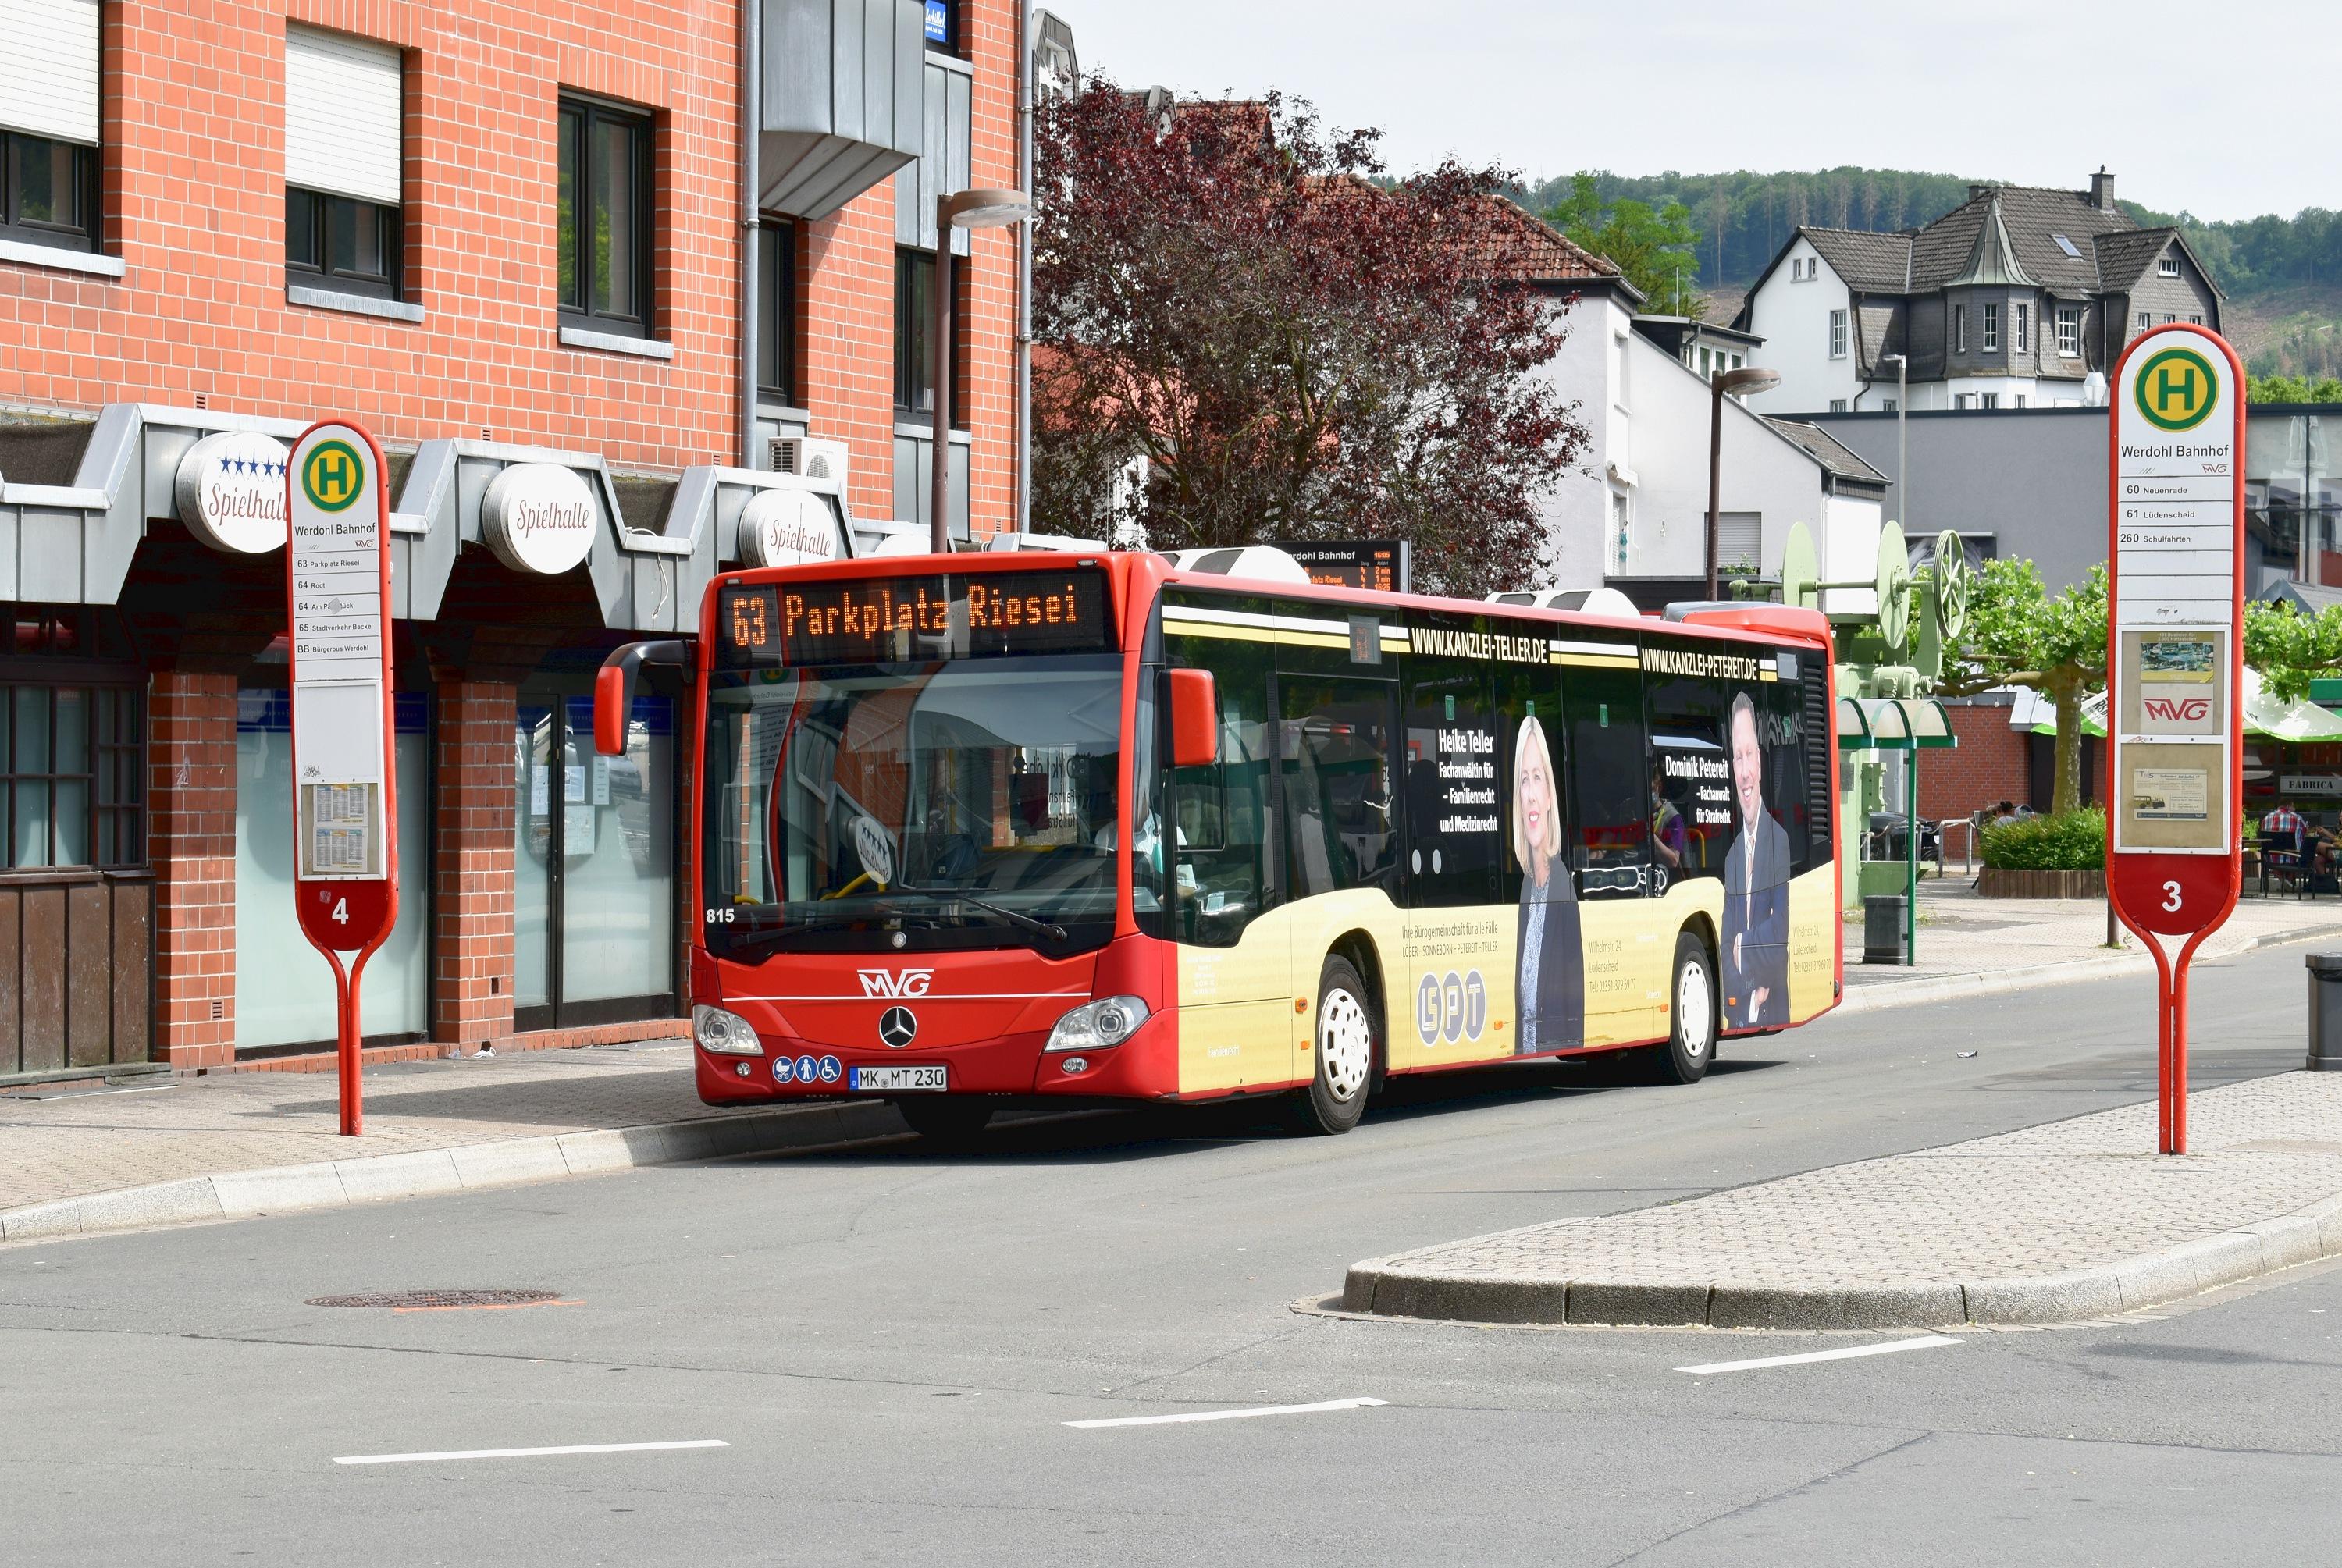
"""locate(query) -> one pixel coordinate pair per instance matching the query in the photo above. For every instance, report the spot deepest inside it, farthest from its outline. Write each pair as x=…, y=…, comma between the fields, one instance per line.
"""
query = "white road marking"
x=1926, y=1342
x=529, y=1453
x=1230, y=1414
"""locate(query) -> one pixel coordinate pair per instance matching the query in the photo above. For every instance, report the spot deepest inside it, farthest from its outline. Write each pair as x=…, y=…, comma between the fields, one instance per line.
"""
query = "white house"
x=1633, y=516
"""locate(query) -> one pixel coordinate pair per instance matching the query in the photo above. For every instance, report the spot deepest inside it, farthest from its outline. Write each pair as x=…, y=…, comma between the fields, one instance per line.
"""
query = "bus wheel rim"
x=1346, y=1044
x=1694, y=1012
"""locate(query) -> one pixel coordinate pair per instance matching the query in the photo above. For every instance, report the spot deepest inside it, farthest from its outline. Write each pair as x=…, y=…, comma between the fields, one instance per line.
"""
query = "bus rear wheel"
x=1345, y=1054
x=944, y=1119
x=1691, y=1007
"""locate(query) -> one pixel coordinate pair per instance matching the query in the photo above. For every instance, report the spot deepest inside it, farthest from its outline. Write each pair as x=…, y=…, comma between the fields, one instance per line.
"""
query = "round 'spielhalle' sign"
x=538, y=517
x=787, y=528
x=230, y=491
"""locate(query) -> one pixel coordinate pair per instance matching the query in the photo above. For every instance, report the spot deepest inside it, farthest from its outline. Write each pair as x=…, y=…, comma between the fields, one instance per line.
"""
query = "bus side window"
x=1609, y=806
x=1456, y=796
x=1692, y=815
x=1220, y=878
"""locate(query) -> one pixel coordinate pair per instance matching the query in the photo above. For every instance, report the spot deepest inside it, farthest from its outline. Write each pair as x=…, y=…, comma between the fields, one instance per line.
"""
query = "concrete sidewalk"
x=2074, y=1220
x=1969, y=945
x=148, y=1150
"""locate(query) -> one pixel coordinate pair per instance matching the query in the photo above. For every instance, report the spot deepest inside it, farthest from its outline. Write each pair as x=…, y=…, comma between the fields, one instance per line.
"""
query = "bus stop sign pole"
x=345, y=804
x=2175, y=663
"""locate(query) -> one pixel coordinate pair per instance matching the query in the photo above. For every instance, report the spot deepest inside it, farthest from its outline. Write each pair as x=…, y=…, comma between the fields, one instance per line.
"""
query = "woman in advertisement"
x=1550, y=980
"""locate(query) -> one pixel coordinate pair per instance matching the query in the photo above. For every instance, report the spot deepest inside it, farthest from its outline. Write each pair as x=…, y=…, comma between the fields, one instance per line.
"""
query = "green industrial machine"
x=1887, y=672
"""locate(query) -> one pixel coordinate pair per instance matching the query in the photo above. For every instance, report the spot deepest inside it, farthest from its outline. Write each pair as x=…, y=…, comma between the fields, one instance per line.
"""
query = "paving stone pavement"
x=1961, y=935
x=71, y=1141
x=2075, y=1217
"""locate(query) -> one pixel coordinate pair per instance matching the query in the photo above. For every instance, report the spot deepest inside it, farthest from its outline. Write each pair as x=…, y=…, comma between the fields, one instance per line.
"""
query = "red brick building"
x=511, y=240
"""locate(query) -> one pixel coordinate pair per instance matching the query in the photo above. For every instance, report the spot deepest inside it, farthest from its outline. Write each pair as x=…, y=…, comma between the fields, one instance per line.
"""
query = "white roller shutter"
x=341, y=116
x=49, y=68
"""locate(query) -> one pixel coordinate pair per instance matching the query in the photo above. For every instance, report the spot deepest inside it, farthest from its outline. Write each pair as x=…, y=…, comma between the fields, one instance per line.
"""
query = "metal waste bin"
x=1882, y=938
x=2324, y=1011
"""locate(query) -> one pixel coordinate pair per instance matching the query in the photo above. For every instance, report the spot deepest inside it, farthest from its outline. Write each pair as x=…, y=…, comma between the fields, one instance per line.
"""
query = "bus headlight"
x=724, y=1034
x=1094, y=1025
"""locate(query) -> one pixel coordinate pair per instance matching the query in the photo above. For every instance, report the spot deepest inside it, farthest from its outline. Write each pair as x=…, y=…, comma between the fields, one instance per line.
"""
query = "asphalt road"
x=889, y=1342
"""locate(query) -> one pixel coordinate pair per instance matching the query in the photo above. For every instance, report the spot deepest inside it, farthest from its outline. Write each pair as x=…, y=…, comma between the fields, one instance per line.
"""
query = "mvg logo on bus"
x=2177, y=710
x=895, y=982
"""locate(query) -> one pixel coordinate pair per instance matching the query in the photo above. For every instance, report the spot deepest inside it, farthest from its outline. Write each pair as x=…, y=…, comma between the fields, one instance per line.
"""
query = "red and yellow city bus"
x=1028, y=827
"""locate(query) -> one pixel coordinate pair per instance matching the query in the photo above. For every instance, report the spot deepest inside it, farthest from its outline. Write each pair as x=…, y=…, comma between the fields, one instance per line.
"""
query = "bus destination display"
x=882, y=620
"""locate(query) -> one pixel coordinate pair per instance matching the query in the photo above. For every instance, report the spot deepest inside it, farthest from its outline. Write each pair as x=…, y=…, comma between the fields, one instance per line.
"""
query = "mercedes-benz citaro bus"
x=983, y=829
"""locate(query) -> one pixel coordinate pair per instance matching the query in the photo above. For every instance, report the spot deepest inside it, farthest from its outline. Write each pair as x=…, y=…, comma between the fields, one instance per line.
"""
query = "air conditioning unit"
x=811, y=458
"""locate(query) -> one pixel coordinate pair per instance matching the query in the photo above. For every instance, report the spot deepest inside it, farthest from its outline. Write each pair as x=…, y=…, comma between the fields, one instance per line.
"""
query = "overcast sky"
x=2223, y=108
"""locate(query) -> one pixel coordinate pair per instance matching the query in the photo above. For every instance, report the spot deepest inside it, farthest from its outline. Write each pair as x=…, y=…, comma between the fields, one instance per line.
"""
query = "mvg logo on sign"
x=896, y=983
x=2177, y=710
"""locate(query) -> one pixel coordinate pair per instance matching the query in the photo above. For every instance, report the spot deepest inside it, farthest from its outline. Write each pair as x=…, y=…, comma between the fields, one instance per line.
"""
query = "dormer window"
x=2167, y=266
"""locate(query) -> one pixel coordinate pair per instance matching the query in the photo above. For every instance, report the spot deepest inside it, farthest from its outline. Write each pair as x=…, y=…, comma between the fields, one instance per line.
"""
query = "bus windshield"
x=953, y=803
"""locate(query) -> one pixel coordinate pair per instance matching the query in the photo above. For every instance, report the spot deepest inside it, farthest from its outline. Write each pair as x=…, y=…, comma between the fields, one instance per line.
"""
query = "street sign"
x=344, y=806
x=1381, y=564
x=2174, y=645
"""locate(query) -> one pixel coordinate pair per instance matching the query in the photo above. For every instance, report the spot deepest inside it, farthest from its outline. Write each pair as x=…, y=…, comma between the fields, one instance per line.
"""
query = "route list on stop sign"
x=2176, y=545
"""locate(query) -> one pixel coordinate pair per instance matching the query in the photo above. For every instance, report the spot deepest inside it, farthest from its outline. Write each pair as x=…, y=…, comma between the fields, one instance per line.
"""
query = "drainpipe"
x=752, y=95
x=1023, y=347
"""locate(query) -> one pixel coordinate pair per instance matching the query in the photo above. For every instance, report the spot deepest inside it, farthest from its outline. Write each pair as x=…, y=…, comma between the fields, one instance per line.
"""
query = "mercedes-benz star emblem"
x=897, y=1026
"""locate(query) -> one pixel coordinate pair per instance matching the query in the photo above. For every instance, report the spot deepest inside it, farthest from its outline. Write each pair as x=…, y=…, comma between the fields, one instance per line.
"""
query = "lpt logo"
x=2176, y=389
x=333, y=475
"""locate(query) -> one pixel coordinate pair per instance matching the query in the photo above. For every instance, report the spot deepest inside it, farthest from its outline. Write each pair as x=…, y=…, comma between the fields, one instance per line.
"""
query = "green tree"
x=1656, y=248
x=2290, y=649
x=2019, y=635
x=2297, y=389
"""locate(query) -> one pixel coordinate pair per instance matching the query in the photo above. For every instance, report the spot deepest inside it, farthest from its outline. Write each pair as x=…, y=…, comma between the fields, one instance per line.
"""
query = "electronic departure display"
x=891, y=619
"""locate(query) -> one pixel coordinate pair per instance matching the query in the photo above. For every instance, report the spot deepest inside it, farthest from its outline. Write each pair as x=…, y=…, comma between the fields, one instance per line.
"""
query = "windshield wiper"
x=1047, y=928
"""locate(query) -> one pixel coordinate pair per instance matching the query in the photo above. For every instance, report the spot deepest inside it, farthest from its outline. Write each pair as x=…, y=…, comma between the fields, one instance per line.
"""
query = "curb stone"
x=1388, y=1287
x=347, y=1183
x=1936, y=988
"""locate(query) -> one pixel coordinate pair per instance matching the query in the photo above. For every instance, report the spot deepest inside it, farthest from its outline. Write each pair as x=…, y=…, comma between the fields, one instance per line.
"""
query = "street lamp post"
x=1740, y=382
x=975, y=209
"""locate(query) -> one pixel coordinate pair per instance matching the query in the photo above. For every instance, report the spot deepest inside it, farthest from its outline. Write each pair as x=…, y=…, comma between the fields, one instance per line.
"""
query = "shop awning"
x=1893, y=724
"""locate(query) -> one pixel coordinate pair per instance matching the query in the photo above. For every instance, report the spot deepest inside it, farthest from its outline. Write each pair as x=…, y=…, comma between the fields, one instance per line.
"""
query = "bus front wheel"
x=1344, y=1052
x=1691, y=1039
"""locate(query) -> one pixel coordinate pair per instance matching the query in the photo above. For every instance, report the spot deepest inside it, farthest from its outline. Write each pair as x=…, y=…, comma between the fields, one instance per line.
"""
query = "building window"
x=1736, y=362
x=943, y=25
x=49, y=123
x=2167, y=266
x=2145, y=320
x=1959, y=329
x=2017, y=400
x=1987, y=399
x=1988, y=327
x=914, y=316
x=2020, y=327
x=1891, y=405
x=2069, y=331
x=355, y=247
x=2193, y=320
x=605, y=263
x=1837, y=405
x=776, y=314
x=343, y=156
x=1838, y=334
x=72, y=747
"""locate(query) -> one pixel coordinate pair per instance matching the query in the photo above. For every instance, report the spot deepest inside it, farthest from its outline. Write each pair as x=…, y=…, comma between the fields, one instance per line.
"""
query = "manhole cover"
x=437, y=1298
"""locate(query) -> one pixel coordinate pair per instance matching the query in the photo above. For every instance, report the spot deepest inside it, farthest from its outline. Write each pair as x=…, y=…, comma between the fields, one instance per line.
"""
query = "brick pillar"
x=472, y=890
x=191, y=765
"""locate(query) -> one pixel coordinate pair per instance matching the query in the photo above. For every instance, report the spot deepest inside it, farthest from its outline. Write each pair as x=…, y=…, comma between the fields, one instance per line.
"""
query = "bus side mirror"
x=613, y=688
x=1195, y=701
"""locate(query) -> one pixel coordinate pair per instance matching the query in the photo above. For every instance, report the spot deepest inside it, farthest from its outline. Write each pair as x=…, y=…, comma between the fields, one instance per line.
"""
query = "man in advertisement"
x=1755, y=889
x=1550, y=980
